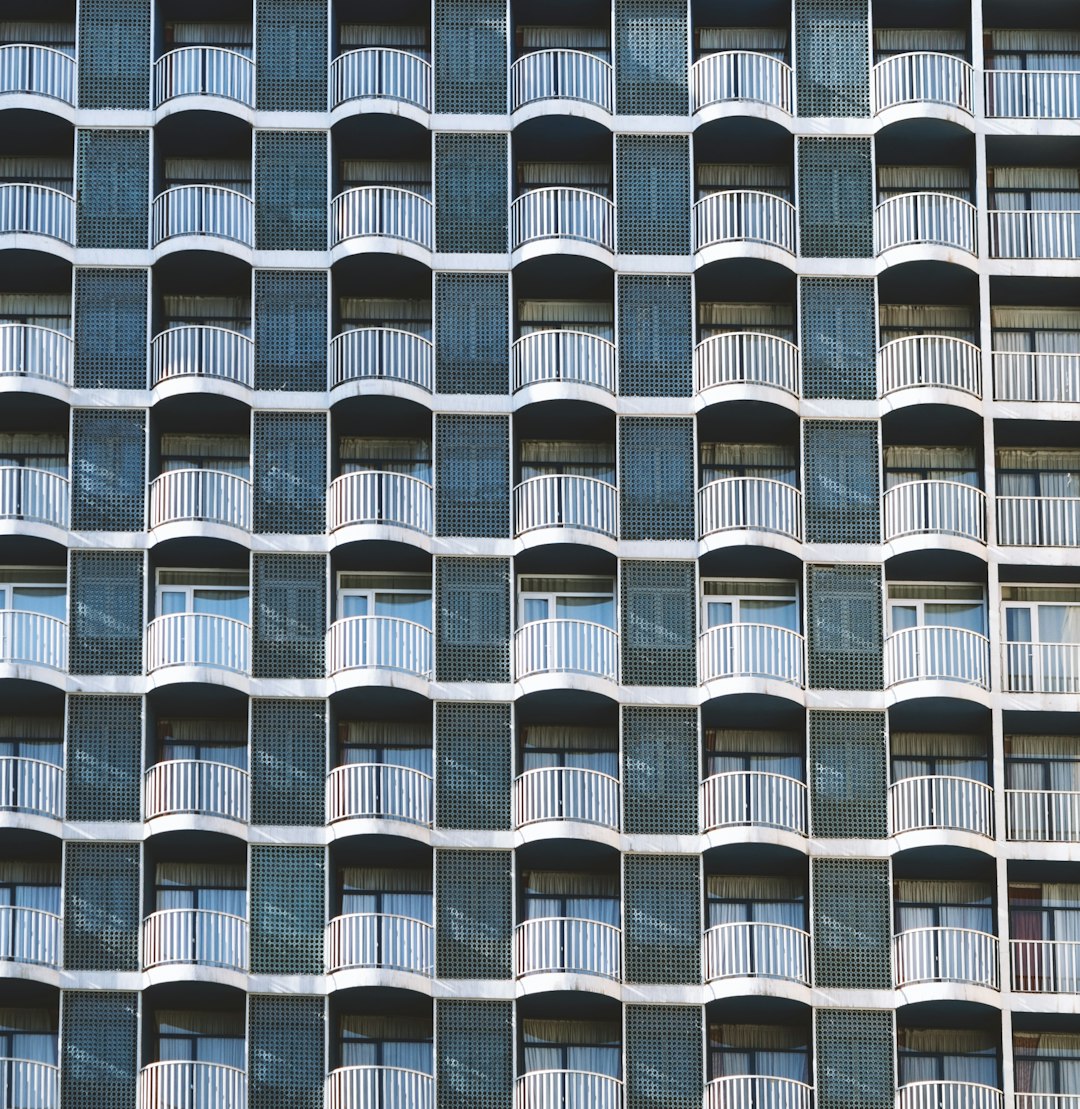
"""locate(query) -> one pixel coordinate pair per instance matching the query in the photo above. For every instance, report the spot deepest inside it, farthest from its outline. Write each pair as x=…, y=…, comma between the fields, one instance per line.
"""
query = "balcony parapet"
x=935, y=507
x=1043, y=815
x=937, y=653
x=757, y=798
x=747, y=358
x=32, y=786
x=946, y=955
x=33, y=639
x=574, y=215
x=380, y=941
x=750, y=504
x=561, y=75
x=929, y=362
x=379, y=642
x=27, y=350
x=371, y=1087
x=378, y=791
x=1045, y=966
x=566, y=793
x=1038, y=521
x=941, y=801
x=741, y=75
x=753, y=1091
x=926, y=218
x=207, y=496
x=196, y=786
x=955, y=1095
x=27, y=1082
x=380, y=73
x=568, y=356
x=923, y=77
x=1035, y=235
x=1032, y=94
x=381, y=354
x=189, y=1085
x=567, y=1089
x=198, y=639
x=31, y=209
x=199, y=350
x=36, y=496
x=202, y=937
x=204, y=71
x=562, y=646
x=751, y=651
x=1041, y=668
x=744, y=216
x=374, y=211
x=566, y=501
x=37, y=71
x=567, y=945
x=208, y=211
x=380, y=497
x=756, y=949
x=30, y=936
x=1036, y=377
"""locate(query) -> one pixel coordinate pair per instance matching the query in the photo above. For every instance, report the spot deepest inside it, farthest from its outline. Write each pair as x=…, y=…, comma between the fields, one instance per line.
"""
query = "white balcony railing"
x=743, y=215
x=1036, y=376
x=37, y=210
x=923, y=77
x=29, y=936
x=1048, y=235
x=25, y=1082
x=741, y=75
x=382, y=354
x=212, y=496
x=198, y=639
x=196, y=786
x=188, y=1085
x=757, y=797
x=1033, y=94
x=561, y=75
x=1038, y=521
x=566, y=501
x=203, y=936
x=567, y=945
x=378, y=791
x=37, y=70
x=1045, y=966
x=941, y=801
x=32, y=786
x=380, y=941
x=27, y=350
x=202, y=351
x=562, y=213
x=937, y=653
x=757, y=1091
x=946, y=955
x=208, y=210
x=941, y=507
x=573, y=356
x=948, y=1095
x=566, y=793
x=37, y=495
x=747, y=358
x=925, y=217
x=751, y=651
x=1047, y=1101
x=1043, y=815
x=567, y=1089
x=33, y=638
x=371, y=1087
x=750, y=503
x=939, y=361
x=384, y=642
x=1041, y=668
x=381, y=210
x=562, y=646
x=379, y=73
x=380, y=497
x=204, y=71
x=757, y=949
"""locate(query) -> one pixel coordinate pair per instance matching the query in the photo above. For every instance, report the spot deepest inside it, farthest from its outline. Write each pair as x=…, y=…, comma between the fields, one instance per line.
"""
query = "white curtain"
x=33, y=737
x=1047, y=472
x=589, y=40
x=229, y=173
x=394, y=456
x=593, y=176
x=897, y=180
x=1051, y=330
x=58, y=36
x=233, y=313
x=38, y=169
x=399, y=892
x=1047, y=1062
x=906, y=40
x=899, y=320
x=541, y=457
x=594, y=317
x=411, y=39
x=586, y=1045
x=220, y=887
x=1033, y=49
x=551, y=893
x=216, y=1037
x=1043, y=762
x=229, y=36
x=915, y=463
x=413, y=176
x=947, y=1054
x=777, y=461
x=761, y=40
x=413, y=316
x=30, y=885
x=716, y=177
x=28, y=1034
x=923, y=903
x=1035, y=188
x=737, y=898
x=583, y=746
x=43, y=309
x=774, y=1050
x=388, y=1041
x=718, y=318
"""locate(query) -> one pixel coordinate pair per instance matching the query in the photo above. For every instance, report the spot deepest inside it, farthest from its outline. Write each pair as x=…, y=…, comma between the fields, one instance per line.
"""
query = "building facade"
x=538, y=554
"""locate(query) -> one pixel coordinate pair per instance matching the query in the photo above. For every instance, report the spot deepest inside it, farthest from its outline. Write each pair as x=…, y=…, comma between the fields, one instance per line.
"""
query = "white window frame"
x=372, y=591
x=551, y=597
x=920, y=603
x=189, y=588
x=705, y=599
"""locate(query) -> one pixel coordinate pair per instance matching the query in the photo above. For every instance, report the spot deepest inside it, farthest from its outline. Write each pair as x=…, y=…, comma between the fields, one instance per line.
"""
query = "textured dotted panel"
x=110, y=329
x=471, y=205
x=287, y=909
x=663, y=918
x=851, y=929
x=839, y=344
x=848, y=774
x=652, y=174
x=290, y=189
x=290, y=43
x=661, y=768
x=473, y=921
x=472, y=620
x=656, y=477
x=114, y=54
x=836, y=198
x=108, y=476
x=289, y=633
x=288, y=761
x=289, y=472
x=843, y=491
x=832, y=51
x=473, y=747
x=854, y=1059
x=470, y=62
x=106, y=612
x=844, y=627
x=651, y=64
x=112, y=190
x=656, y=336
x=475, y=1063
x=472, y=328
x=101, y=906
x=290, y=330
x=286, y=1041
x=104, y=757
x=472, y=482
x=99, y=1050
x=658, y=637
x=663, y=1057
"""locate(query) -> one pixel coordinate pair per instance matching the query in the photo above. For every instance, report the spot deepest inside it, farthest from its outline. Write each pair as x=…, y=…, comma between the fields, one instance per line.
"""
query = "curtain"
x=899, y=320
x=589, y=40
x=390, y=1041
x=567, y=456
x=59, y=36
x=231, y=36
x=29, y=885
x=777, y=1051
x=761, y=40
x=897, y=180
x=735, y=898
x=918, y=753
x=1047, y=472
x=1049, y=330
x=1047, y=1062
x=28, y=1034
x=395, y=456
x=38, y=169
x=594, y=317
x=410, y=175
x=1042, y=762
x=1035, y=188
x=43, y=309
x=33, y=737
x=906, y=40
x=216, y=1037
x=947, y=1054
x=719, y=318
x=594, y=176
x=413, y=316
x=1033, y=49
x=229, y=173
x=412, y=39
x=713, y=177
x=739, y=749
x=34, y=449
x=398, y=892
x=220, y=887
x=390, y=742
x=777, y=461
x=915, y=463
x=923, y=903
x=586, y=1045
x=583, y=746
x=551, y=893
x=229, y=453
x=233, y=313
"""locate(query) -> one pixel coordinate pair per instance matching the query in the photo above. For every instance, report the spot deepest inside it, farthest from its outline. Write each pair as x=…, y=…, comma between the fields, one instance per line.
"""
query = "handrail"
x=34, y=638
x=30, y=1083
x=32, y=785
x=746, y=75
x=366, y=1086
x=383, y=941
x=378, y=791
x=753, y=797
x=563, y=355
x=937, y=653
x=566, y=501
x=564, y=646
x=566, y=793
x=381, y=353
x=923, y=361
x=204, y=937
x=1038, y=521
x=935, y=505
x=926, y=217
x=185, y=1084
x=29, y=350
x=33, y=209
x=747, y=358
x=1041, y=667
x=209, y=210
x=744, y=215
x=750, y=503
x=383, y=73
x=948, y=1094
x=37, y=70
x=567, y=945
x=757, y=1091
x=756, y=949
x=204, y=71
x=1043, y=815
x=561, y=212
x=202, y=350
x=196, y=786
x=382, y=210
x=30, y=936
x=561, y=74
x=946, y=954
x=1032, y=94
x=750, y=650
x=941, y=801
x=386, y=642
x=923, y=76
x=198, y=639
x=1045, y=966
x=214, y=496
x=1035, y=233
x=27, y=493
x=380, y=497
x=1034, y=376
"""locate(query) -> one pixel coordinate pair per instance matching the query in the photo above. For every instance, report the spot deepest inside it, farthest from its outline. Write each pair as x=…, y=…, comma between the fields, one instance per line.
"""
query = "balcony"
x=37, y=496
x=188, y=1085
x=378, y=642
x=937, y=507
x=206, y=496
x=946, y=955
x=379, y=73
x=204, y=937
x=929, y=219
x=1043, y=816
x=753, y=797
x=569, y=356
x=1041, y=668
x=37, y=210
x=202, y=351
x=747, y=358
x=1036, y=377
x=1038, y=521
x=29, y=936
x=37, y=71
x=567, y=1089
x=31, y=1084
x=922, y=77
x=943, y=802
x=937, y=653
x=1032, y=94
x=561, y=646
x=380, y=497
x=195, y=786
x=381, y=354
x=566, y=793
x=561, y=75
x=750, y=503
x=578, y=215
x=34, y=639
x=951, y=1095
x=733, y=75
x=27, y=350
x=380, y=941
x=205, y=210
x=371, y=1087
x=378, y=791
x=198, y=639
x=382, y=211
x=1045, y=966
x=566, y=501
x=751, y=651
x=930, y=361
x=757, y=1091
x=567, y=945
x=754, y=949
x=1042, y=235
x=204, y=71
x=744, y=216
x=32, y=786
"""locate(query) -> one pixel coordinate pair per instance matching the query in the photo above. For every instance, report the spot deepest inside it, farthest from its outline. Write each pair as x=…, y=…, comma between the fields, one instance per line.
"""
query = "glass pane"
x=407, y=606
x=1018, y=625
x=534, y=608
x=51, y=601
x=598, y=610
x=172, y=602
x=903, y=616
x=717, y=612
x=969, y=616
x=222, y=602
x=777, y=612
x=354, y=604
x=1059, y=624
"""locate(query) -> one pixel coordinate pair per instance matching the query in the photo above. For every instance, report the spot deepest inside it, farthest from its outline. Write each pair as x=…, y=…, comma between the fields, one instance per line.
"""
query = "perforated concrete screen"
x=470, y=60
x=471, y=210
x=288, y=761
x=290, y=330
x=832, y=51
x=287, y=909
x=656, y=336
x=113, y=200
x=473, y=907
x=289, y=488
x=114, y=54
x=661, y=764
x=652, y=176
x=106, y=612
x=836, y=198
x=110, y=320
x=472, y=620
x=844, y=627
x=473, y=742
x=101, y=906
x=476, y=1053
x=839, y=337
x=472, y=321
x=100, y=1061
x=663, y=1056
x=851, y=923
x=104, y=757
x=855, y=1059
x=291, y=38
x=108, y=484
x=658, y=623
x=656, y=477
x=285, y=1051
x=842, y=460
x=663, y=918
x=848, y=774
x=472, y=493
x=650, y=57
x=290, y=190
x=289, y=616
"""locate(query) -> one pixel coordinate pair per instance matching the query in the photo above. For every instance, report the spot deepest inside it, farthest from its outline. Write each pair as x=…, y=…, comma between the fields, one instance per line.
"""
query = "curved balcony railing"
x=741, y=75
x=1043, y=815
x=935, y=219
x=27, y=350
x=566, y=793
x=33, y=638
x=566, y=501
x=941, y=801
x=384, y=642
x=750, y=651
x=937, y=654
x=37, y=70
x=1041, y=668
x=201, y=936
x=757, y=949
x=204, y=71
x=922, y=361
x=747, y=358
x=211, y=496
x=371, y=1087
x=380, y=73
x=567, y=1089
x=30, y=1084
x=378, y=791
x=381, y=354
x=562, y=213
x=946, y=955
x=744, y=215
x=1046, y=1101
x=948, y=1095
x=202, y=351
x=1045, y=966
x=1033, y=94
x=750, y=503
x=757, y=1091
x=198, y=639
x=563, y=646
x=380, y=941
x=573, y=356
x=1036, y=376
x=923, y=77
x=380, y=497
x=188, y=1085
x=29, y=936
x=1038, y=521
x=940, y=507
x=567, y=945
x=203, y=210
x=37, y=495
x=560, y=75
x=381, y=210
x=37, y=210
x=1046, y=235
x=753, y=797
x=196, y=786
x=32, y=786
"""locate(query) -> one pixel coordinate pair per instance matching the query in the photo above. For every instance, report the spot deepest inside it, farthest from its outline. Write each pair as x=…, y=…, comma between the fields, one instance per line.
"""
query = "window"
x=216, y=1037
x=413, y=316
x=57, y=36
x=946, y=1055
x=1036, y=330
x=386, y=743
x=588, y=599
x=918, y=754
x=220, y=593
x=594, y=177
x=943, y=904
x=391, y=456
x=593, y=317
x=775, y=462
x=410, y=39
x=1034, y=188
x=771, y=1050
x=736, y=750
x=1044, y=926
x=586, y=40
x=228, y=36
x=213, y=887
x=716, y=318
x=543, y=458
x=924, y=604
x=26, y=889
x=232, y=313
x=1042, y=762
x=1033, y=50
x=401, y=892
x=30, y=1035
x=404, y=596
x=775, y=603
x=53, y=173
x=225, y=173
x=386, y=1041
x=1036, y=472
x=571, y=745
x=204, y=740
x=36, y=589
x=901, y=321
x=739, y=898
x=413, y=176
x=547, y=894
x=571, y=1045
x=895, y=181
x=37, y=309
x=911, y=463
x=890, y=41
x=227, y=454
x=770, y=41
x=1046, y=1063
x=715, y=177
x=1042, y=628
